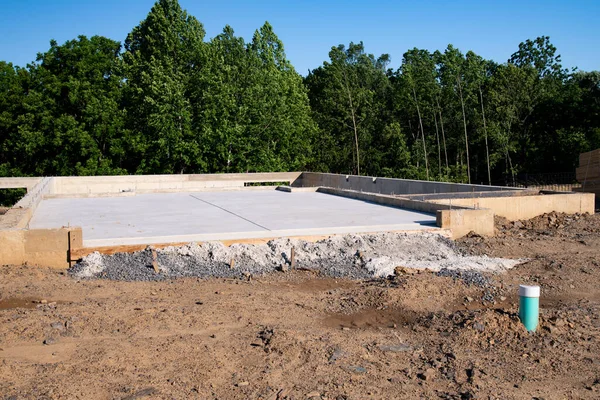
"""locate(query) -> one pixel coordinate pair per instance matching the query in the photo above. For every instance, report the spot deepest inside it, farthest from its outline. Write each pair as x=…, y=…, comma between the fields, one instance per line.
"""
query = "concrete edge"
x=204, y=237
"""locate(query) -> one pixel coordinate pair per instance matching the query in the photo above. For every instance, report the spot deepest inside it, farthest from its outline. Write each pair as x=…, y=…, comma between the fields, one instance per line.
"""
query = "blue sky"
x=309, y=28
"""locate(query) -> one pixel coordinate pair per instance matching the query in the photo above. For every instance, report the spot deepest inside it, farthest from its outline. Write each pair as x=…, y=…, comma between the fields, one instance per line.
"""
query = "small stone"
x=400, y=270
x=355, y=368
x=313, y=395
x=518, y=224
x=336, y=355
x=345, y=328
x=396, y=348
x=560, y=322
x=241, y=384
x=469, y=299
x=43, y=301
x=49, y=341
x=59, y=326
x=502, y=298
x=428, y=375
x=478, y=327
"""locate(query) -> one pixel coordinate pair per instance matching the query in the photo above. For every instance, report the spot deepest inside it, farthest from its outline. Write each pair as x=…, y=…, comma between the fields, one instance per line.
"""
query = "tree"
x=67, y=119
x=452, y=77
x=348, y=95
x=161, y=53
x=416, y=79
x=280, y=115
x=541, y=55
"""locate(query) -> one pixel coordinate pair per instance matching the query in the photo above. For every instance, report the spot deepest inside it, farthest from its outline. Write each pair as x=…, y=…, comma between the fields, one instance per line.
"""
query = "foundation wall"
x=390, y=186
x=19, y=215
x=163, y=183
x=44, y=247
x=525, y=207
x=470, y=195
x=462, y=221
x=386, y=200
x=459, y=220
x=17, y=183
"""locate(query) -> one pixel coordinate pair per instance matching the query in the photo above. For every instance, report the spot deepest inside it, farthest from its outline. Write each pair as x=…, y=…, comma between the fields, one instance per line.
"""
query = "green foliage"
x=171, y=102
x=9, y=197
x=349, y=96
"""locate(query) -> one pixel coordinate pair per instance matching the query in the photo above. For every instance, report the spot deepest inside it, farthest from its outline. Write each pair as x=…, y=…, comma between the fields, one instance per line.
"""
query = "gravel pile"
x=349, y=256
x=469, y=277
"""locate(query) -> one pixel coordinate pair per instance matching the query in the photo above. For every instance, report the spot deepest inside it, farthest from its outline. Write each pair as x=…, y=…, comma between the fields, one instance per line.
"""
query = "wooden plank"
x=592, y=160
x=589, y=172
x=590, y=156
x=155, y=260
x=587, y=153
x=293, y=258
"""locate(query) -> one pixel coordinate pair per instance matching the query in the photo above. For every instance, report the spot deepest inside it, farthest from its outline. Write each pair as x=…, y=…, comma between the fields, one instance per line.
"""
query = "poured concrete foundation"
x=201, y=216
x=63, y=218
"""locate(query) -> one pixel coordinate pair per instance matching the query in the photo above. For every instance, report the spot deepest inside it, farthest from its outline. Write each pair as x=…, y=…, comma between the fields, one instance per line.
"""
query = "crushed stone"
x=349, y=256
x=469, y=277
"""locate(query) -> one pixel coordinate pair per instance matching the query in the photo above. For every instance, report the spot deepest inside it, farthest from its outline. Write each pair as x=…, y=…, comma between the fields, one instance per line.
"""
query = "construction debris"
x=352, y=256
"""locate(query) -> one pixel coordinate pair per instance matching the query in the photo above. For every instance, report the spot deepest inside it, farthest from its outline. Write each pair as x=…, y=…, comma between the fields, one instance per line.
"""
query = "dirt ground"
x=295, y=335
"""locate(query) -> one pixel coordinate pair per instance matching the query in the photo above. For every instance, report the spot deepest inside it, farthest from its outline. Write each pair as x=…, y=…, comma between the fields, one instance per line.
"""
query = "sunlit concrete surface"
x=170, y=217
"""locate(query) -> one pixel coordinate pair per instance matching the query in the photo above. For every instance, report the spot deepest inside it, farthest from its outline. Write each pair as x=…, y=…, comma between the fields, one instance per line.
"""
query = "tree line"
x=168, y=101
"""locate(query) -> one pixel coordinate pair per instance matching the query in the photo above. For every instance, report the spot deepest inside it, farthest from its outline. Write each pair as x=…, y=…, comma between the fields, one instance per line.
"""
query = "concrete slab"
x=176, y=217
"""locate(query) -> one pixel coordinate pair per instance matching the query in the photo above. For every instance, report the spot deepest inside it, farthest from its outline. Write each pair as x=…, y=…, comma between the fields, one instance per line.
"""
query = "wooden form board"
x=589, y=172
x=589, y=157
x=589, y=167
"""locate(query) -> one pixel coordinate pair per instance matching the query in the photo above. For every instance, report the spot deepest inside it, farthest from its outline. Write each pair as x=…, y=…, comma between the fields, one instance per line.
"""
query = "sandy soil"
x=295, y=335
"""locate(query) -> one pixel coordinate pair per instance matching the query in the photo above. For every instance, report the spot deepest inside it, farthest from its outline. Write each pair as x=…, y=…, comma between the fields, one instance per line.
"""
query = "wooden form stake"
x=155, y=260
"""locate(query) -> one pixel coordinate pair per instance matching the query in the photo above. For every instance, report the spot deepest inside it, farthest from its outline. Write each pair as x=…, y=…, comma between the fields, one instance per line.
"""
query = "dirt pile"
x=351, y=256
x=549, y=224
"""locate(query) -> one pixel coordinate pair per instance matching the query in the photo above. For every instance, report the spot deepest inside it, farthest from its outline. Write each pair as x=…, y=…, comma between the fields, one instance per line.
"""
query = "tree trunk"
x=422, y=133
x=487, y=150
x=410, y=129
x=443, y=134
x=462, y=103
x=437, y=136
x=353, y=123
